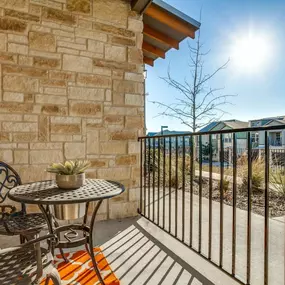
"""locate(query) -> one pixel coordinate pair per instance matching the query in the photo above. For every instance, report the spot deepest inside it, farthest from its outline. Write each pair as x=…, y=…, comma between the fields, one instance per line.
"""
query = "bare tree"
x=199, y=104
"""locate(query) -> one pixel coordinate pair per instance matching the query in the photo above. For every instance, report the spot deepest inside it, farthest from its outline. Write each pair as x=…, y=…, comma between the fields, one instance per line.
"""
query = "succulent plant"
x=69, y=167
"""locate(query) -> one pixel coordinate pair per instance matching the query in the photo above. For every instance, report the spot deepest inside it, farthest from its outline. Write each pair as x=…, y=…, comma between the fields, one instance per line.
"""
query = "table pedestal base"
x=71, y=236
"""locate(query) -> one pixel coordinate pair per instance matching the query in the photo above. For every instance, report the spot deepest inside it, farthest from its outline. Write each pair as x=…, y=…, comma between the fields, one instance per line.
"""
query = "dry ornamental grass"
x=276, y=191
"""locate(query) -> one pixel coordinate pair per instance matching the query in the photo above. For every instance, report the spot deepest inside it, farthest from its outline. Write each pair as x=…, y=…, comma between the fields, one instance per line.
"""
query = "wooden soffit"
x=164, y=28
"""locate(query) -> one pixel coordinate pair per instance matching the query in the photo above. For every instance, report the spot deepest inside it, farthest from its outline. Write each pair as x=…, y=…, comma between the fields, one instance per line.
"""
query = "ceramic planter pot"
x=70, y=181
x=69, y=211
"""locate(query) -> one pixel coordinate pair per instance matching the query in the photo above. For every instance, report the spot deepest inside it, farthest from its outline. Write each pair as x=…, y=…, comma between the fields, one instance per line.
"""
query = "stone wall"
x=72, y=87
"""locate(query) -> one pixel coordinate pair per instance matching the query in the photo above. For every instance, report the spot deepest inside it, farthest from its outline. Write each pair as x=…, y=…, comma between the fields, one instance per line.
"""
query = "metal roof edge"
x=177, y=13
x=209, y=126
x=276, y=120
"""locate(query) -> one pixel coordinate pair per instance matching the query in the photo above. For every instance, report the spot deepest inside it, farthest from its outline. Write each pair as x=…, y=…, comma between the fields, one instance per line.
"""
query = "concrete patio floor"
x=276, y=236
x=141, y=253
x=144, y=254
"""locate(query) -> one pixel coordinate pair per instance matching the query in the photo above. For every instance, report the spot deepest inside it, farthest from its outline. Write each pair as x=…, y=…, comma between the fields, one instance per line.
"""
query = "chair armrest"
x=29, y=243
x=37, y=247
x=37, y=240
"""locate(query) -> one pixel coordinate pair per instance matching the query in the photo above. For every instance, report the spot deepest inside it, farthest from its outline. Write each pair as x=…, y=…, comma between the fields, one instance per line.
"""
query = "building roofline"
x=170, y=9
x=275, y=120
x=268, y=118
x=140, y=5
x=225, y=122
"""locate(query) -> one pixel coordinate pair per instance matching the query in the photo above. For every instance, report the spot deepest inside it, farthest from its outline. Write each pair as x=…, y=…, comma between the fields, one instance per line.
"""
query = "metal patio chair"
x=13, y=222
x=28, y=263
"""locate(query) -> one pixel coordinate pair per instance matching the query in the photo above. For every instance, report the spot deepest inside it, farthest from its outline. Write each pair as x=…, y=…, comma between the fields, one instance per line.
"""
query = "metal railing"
x=177, y=187
x=275, y=142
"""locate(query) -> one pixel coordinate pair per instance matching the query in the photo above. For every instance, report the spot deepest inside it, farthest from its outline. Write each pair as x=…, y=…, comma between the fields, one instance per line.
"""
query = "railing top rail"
x=255, y=129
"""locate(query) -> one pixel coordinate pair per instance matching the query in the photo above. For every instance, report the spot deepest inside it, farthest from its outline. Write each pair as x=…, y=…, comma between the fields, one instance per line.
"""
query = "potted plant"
x=70, y=174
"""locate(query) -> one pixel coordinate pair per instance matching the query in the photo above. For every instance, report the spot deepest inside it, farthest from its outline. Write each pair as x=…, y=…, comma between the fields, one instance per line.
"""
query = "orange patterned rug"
x=79, y=270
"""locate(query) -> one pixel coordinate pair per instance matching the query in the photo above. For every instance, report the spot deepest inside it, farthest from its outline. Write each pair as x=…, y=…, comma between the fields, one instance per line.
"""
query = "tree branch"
x=200, y=104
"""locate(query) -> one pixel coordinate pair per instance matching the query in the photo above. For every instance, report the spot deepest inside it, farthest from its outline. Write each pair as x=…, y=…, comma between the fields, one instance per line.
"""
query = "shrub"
x=152, y=166
x=151, y=162
x=226, y=185
x=277, y=179
x=171, y=181
x=258, y=174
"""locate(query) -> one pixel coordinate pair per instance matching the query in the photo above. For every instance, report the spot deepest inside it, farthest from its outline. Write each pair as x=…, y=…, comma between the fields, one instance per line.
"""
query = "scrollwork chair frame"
x=13, y=222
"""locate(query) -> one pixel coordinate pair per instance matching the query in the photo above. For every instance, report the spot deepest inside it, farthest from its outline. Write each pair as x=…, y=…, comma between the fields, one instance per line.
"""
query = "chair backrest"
x=26, y=263
x=9, y=178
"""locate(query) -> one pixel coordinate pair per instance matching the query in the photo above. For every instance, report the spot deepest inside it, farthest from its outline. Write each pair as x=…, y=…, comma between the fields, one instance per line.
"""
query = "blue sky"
x=261, y=91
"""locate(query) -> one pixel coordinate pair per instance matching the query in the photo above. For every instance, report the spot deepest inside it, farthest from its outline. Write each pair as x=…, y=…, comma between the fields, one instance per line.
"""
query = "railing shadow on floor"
x=136, y=257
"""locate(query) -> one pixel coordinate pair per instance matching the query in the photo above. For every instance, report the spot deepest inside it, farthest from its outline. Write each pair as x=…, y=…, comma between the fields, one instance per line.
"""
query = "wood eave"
x=164, y=28
x=161, y=37
x=170, y=20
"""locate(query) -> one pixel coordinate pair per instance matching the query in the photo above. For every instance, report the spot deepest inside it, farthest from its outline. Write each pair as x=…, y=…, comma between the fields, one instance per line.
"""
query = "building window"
x=228, y=139
x=255, y=137
x=256, y=124
x=278, y=139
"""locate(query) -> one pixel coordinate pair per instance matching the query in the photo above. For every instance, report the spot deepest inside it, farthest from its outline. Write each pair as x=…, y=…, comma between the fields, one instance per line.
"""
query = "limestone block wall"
x=72, y=87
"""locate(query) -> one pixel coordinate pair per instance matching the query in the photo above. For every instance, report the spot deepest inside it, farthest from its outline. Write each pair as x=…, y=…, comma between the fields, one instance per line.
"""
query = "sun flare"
x=250, y=54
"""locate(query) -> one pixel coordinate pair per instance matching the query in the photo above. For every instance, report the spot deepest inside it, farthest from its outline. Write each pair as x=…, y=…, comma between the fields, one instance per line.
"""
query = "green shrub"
x=226, y=185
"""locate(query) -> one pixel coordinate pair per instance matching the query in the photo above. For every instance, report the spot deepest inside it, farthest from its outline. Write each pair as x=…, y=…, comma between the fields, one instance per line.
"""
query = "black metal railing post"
x=234, y=205
x=158, y=183
x=164, y=170
x=221, y=200
x=176, y=186
x=192, y=175
x=266, y=205
x=210, y=196
x=249, y=190
x=200, y=195
x=153, y=178
x=141, y=176
x=169, y=188
x=183, y=189
x=149, y=164
x=144, y=179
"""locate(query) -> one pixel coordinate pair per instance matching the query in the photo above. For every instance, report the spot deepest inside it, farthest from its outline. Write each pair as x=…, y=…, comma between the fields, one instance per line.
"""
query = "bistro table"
x=46, y=194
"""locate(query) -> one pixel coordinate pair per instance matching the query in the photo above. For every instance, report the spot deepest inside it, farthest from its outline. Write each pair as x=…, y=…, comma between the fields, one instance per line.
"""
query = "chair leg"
x=60, y=249
x=63, y=256
x=47, y=280
x=22, y=239
x=55, y=277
